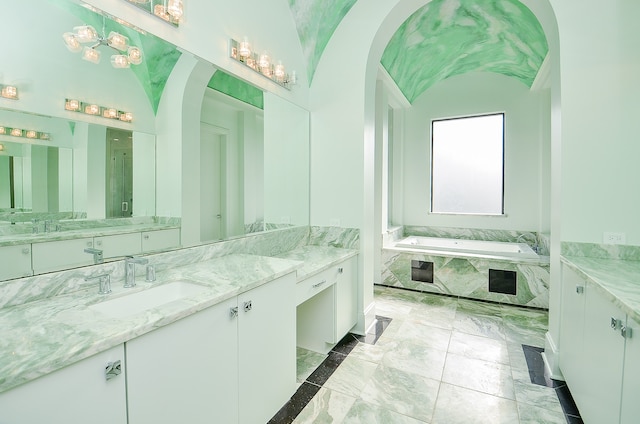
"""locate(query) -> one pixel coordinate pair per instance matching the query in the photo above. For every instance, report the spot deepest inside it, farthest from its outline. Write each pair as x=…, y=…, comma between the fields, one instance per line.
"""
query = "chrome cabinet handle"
x=26, y=251
x=579, y=289
x=233, y=312
x=113, y=369
x=315, y=286
x=146, y=236
x=340, y=270
x=615, y=323
x=626, y=332
x=247, y=306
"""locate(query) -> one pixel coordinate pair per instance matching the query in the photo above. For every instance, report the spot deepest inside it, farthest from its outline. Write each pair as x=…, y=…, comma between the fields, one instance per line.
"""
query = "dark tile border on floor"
x=316, y=380
x=538, y=376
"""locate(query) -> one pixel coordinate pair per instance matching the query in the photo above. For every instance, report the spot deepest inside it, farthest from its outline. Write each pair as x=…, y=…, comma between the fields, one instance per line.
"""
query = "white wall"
x=144, y=174
x=527, y=116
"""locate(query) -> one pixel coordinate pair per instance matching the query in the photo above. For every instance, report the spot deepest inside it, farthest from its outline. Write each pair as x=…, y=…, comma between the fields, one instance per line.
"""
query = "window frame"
x=502, y=194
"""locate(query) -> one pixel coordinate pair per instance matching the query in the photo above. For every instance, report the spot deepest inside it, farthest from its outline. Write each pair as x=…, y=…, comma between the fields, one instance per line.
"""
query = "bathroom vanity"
x=600, y=337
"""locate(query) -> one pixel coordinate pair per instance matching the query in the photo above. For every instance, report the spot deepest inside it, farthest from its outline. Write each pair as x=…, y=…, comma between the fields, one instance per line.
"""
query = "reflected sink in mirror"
x=137, y=302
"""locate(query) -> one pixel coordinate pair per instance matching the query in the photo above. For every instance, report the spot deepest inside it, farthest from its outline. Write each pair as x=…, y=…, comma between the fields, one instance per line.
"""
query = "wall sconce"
x=18, y=132
x=171, y=11
x=261, y=63
x=9, y=92
x=74, y=105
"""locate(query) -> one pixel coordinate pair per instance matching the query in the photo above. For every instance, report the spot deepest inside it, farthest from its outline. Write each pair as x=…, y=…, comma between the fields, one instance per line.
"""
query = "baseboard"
x=551, y=358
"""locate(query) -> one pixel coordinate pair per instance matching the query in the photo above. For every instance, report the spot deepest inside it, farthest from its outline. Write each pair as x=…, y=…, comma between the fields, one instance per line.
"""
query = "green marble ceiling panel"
x=237, y=89
x=316, y=20
x=452, y=37
x=160, y=56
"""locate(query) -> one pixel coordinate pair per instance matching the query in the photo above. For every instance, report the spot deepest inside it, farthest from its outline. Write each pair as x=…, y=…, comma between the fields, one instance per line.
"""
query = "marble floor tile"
x=326, y=407
x=527, y=392
x=487, y=377
x=351, y=376
x=478, y=347
x=306, y=362
x=366, y=413
x=405, y=393
x=415, y=358
x=479, y=325
x=442, y=317
x=525, y=326
x=517, y=360
x=426, y=335
x=368, y=352
x=531, y=414
x=457, y=405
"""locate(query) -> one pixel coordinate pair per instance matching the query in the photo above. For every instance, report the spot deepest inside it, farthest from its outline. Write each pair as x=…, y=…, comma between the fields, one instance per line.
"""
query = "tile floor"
x=437, y=360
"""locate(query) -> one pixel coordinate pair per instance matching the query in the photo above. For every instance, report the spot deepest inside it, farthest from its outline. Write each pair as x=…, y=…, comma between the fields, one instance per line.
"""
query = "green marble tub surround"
x=451, y=37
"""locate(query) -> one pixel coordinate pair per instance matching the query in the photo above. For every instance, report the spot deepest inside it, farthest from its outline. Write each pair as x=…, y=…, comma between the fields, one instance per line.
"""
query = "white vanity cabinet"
x=233, y=362
x=327, y=307
x=119, y=245
x=160, y=239
x=15, y=261
x=79, y=393
x=186, y=371
x=598, y=354
x=61, y=254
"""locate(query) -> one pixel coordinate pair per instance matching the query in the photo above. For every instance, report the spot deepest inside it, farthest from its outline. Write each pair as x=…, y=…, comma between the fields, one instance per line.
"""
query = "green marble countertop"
x=618, y=280
x=316, y=259
x=43, y=336
x=16, y=239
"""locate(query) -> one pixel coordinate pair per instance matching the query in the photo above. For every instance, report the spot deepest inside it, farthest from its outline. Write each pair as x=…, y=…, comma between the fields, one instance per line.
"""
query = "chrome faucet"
x=130, y=270
x=47, y=226
x=97, y=255
x=104, y=281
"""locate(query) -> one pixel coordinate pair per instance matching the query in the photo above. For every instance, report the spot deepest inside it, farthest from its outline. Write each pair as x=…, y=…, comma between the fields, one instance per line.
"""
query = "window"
x=467, y=165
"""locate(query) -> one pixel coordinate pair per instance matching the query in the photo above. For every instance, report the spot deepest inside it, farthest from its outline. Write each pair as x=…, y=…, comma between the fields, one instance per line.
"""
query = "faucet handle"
x=104, y=281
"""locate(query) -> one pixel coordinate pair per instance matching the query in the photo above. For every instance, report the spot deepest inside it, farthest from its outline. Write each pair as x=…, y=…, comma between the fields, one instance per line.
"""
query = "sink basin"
x=147, y=299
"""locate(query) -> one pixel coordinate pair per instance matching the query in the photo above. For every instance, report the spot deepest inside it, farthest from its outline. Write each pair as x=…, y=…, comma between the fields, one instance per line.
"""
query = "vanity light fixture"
x=171, y=11
x=74, y=105
x=18, y=132
x=9, y=92
x=242, y=52
x=125, y=56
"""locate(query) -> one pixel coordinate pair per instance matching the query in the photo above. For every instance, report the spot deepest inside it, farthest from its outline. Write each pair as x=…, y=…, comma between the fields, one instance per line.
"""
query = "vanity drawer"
x=313, y=285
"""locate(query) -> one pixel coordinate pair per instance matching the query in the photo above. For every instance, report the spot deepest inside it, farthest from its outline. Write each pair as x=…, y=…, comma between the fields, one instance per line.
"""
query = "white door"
x=211, y=166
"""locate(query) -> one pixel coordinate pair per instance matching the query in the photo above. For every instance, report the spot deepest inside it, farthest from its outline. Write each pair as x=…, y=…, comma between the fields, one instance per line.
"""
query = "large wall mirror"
x=92, y=168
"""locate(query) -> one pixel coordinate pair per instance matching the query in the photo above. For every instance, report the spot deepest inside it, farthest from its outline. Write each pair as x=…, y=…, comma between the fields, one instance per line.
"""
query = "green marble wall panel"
x=600, y=251
x=468, y=277
x=236, y=88
x=160, y=57
x=316, y=20
x=453, y=37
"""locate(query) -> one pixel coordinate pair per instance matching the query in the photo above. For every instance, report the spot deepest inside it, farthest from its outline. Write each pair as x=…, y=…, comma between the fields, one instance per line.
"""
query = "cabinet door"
x=119, y=244
x=160, y=239
x=604, y=349
x=186, y=372
x=267, y=349
x=346, y=298
x=631, y=380
x=572, y=330
x=56, y=255
x=15, y=261
x=79, y=393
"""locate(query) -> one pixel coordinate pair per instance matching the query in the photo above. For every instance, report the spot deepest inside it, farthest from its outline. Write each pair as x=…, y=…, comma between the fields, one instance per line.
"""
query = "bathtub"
x=515, y=251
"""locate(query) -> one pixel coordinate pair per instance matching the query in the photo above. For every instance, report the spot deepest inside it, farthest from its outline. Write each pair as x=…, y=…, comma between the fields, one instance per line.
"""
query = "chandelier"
x=86, y=39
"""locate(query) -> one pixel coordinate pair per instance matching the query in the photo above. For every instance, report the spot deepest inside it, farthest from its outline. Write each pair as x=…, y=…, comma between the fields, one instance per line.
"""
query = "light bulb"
x=73, y=105
x=161, y=12
x=91, y=55
x=71, y=41
x=3, y=130
x=92, y=110
x=117, y=41
x=9, y=92
x=119, y=61
x=126, y=116
x=175, y=9
x=135, y=55
x=245, y=48
x=86, y=34
x=16, y=132
x=279, y=72
x=110, y=113
x=32, y=134
x=265, y=63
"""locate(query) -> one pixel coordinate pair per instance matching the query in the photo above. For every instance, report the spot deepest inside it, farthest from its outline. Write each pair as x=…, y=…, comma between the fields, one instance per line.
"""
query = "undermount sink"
x=137, y=302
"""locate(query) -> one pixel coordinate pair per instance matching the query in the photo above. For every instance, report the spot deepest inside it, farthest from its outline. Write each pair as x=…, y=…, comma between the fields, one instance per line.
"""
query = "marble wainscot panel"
x=544, y=243
x=468, y=277
x=529, y=237
x=602, y=251
x=345, y=238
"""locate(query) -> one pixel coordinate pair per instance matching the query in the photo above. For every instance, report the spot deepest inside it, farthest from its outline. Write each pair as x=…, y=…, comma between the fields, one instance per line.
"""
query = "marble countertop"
x=43, y=336
x=316, y=259
x=16, y=239
x=618, y=280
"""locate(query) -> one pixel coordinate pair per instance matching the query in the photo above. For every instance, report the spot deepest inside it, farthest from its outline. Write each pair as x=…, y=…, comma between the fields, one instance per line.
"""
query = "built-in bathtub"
x=477, y=269
x=517, y=251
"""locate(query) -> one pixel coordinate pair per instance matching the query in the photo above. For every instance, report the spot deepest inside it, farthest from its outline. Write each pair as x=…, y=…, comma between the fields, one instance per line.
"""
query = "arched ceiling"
x=442, y=39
